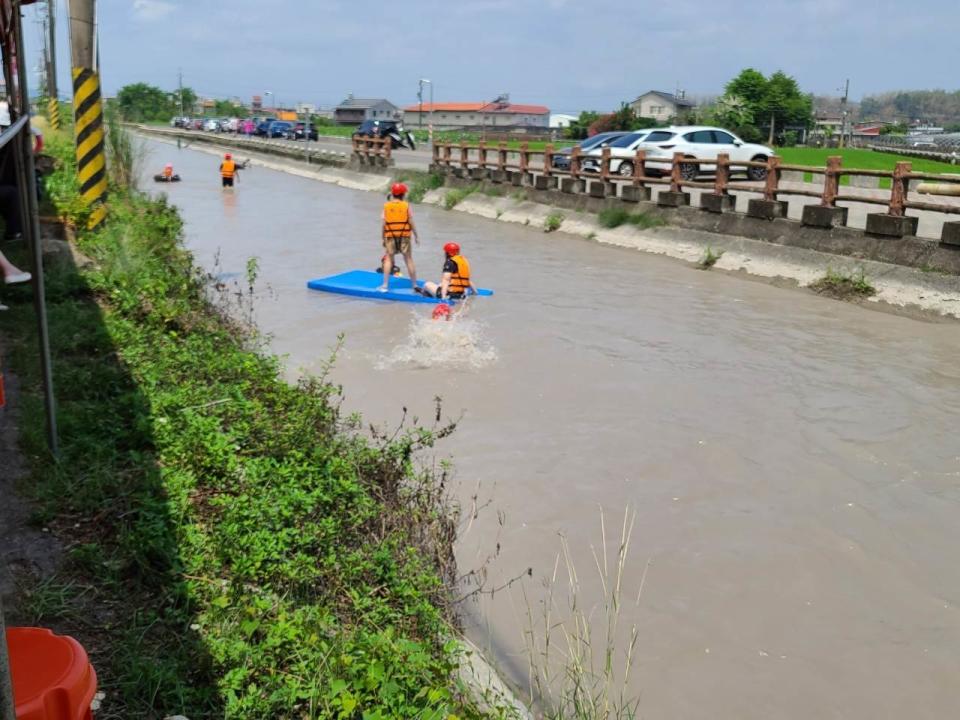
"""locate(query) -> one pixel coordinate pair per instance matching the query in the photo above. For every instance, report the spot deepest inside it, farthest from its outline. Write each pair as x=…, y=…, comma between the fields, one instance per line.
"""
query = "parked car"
x=386, y=128
x=623, y=152
x=211, y=125
x=702, y=143
x=278, y=128
x=229, y=124
x=262, y=128
x=196, y=124
x=561, y=158
x=296, y=132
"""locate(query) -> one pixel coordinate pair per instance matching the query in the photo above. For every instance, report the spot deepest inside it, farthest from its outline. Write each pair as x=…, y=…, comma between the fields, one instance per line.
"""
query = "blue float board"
x=364, y=283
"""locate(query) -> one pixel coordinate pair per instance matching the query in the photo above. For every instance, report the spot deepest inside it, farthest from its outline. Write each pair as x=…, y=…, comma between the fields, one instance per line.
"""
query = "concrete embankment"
x=778, y=251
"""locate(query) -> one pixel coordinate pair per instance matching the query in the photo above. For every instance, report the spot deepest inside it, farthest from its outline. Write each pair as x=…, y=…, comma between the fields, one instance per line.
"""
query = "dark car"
x=561, y=159
x=262, y=127
x=296, y=132
x=385, y=128
x=278, y=128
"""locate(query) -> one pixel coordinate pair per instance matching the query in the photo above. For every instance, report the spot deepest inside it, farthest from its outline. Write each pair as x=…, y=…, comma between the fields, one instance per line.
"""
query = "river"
x=792, y=461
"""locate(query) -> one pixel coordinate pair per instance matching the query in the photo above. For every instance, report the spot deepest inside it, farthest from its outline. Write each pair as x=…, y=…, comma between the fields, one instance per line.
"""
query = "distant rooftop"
x=488, y=107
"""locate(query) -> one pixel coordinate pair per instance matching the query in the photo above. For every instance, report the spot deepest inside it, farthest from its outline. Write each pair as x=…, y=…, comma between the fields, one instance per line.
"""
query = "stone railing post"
x=772, y=183
x=831, y=181
x=723, y=174
x=605, y=164
x=502, y=156
x=639, y=169
x=436, y=155
x=482, y=154
x=387, y=149
x=676, y=179
x=464, y=155
x=575, y=162
x=524, y=157
x=446, y=154
x=899, y=188
x=548, y=160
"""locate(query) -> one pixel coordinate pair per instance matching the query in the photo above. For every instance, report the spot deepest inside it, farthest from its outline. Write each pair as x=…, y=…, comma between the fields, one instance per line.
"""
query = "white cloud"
x=150, y=10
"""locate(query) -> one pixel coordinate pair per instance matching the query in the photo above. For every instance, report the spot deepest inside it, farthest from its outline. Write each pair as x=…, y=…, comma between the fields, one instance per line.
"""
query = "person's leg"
x=431, y=289
x=408, y=259
x=11, y=273
x=389, y=247
x=10, y=209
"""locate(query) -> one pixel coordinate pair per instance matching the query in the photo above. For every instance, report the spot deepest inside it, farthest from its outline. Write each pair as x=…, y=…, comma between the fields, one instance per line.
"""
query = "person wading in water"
x=398, y=226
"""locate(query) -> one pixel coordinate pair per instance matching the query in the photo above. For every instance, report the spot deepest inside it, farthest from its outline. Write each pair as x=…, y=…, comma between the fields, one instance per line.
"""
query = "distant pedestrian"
x=398, y=227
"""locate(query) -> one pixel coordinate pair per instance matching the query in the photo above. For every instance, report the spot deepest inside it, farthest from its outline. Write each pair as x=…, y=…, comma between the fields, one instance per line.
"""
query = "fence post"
x=524, y=156
x=387, y=149
x=723, y=174
x=899, y=188
x=605, y=164
x=548, y=160
x=639, y=169
x=772, y=183
x=502, y=156
x=676, y=180
x=464, y=155
x=436, y=155
x=575, y=162
x=447, y=147
x=482, y=154
x=831, y=181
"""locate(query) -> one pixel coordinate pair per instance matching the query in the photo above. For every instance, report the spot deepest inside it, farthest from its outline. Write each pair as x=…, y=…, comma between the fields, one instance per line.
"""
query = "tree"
x=140, y=102
x=189, y=100
x=578, y=128
x=752, y=100
x=227, y=108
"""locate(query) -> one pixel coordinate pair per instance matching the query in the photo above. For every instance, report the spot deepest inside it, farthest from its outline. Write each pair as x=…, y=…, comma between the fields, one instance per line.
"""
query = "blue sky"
x=589, y=54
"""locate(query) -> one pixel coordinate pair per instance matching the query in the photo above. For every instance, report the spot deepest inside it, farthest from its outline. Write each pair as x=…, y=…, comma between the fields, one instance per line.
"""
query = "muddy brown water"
x=793, y=461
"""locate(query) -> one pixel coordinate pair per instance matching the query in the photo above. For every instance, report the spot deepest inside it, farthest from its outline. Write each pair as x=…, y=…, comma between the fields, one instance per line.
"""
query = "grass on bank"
x=553, y=221
x=616, y=216
x=236, y=547
x=455, y=196
x=709, y=258
x=844, y=285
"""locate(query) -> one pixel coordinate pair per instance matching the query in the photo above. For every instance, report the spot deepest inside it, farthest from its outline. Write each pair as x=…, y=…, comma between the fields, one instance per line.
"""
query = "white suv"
x=700, y=142
x=622, y=152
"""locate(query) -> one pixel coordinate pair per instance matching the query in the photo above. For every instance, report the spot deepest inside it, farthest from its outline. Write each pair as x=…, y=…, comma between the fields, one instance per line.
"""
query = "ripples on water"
x=430, y=343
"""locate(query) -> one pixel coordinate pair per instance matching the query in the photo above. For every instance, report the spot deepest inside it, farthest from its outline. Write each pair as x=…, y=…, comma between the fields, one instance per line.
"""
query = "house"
x=354, y=111
x=562, y=120
x=504, y=116
x=660, y=106
x=869, y=129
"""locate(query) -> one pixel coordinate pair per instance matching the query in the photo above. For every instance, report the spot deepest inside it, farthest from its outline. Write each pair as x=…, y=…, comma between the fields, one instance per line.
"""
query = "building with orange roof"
x=489, y=116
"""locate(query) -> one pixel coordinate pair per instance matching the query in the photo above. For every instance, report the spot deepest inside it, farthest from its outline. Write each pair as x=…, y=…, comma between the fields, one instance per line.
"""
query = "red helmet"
x=227, y=156
x=451, y=248
x=398, y=189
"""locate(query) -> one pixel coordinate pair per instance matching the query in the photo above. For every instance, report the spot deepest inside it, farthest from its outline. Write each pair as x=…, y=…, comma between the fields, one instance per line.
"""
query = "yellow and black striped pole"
x=91, y=160
x=53, y=113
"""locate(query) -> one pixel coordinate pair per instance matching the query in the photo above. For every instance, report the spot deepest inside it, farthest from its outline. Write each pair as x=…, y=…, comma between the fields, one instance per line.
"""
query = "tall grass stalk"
x=125, y=154
x=578, y=669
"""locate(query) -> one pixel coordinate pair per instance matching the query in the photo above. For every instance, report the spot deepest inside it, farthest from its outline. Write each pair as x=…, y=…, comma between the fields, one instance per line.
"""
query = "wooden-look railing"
x=373, y=147
x=500, y=157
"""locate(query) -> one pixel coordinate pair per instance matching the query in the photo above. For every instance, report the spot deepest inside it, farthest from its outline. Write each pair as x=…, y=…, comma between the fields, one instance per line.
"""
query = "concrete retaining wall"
x=909, y=251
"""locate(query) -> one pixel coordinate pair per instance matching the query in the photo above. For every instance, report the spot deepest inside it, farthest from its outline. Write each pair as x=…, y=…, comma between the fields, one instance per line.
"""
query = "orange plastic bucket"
x=52, y=677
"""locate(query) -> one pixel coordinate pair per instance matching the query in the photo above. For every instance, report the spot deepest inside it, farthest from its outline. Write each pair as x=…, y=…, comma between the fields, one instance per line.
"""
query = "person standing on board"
x=228, y=170
x=455, y=281
x=398, y=227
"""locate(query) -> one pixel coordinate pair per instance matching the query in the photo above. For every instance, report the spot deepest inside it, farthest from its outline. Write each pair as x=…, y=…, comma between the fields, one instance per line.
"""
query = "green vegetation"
x=709, y=258
x=141, y=102
x=553, y=221
x=419, y=183
x=941, y=106
x=617, y=216
x=455, y=197
x=844, y=285
x=861, y=159
x=238, y=548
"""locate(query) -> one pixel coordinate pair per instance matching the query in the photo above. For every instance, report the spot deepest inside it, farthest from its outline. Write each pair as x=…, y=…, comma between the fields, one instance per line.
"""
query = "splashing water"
x=431, y=343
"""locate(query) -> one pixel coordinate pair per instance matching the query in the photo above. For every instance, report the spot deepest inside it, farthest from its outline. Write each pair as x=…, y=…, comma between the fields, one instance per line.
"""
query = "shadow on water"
x=117, y=587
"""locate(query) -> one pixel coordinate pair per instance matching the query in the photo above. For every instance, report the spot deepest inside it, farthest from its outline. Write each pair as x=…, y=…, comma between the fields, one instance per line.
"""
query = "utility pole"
x=88, y=109
x=51, y=29
x=843, y=112
x=420, y=113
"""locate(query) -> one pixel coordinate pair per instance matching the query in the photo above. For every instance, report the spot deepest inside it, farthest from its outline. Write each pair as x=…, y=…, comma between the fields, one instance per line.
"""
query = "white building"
x=488, y=116
x=562, y=120
x=659, y=106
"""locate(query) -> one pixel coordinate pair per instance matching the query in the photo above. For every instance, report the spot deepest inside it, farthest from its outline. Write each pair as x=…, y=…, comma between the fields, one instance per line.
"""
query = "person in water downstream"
x=455, y=281
x=228, y=170
x=398, y=227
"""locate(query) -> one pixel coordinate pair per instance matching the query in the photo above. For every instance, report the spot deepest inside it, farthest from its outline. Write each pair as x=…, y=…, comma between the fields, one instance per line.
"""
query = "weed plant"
x=617, y=216
x=709, y=258
x=552, y=222
x=844, y=285
x=455, y=197
x=420, y=183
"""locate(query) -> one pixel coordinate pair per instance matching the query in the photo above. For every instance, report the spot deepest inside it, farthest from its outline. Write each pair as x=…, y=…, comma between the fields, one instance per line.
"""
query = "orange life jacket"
x=228, y=168
x=396, y=219
x=460, y=280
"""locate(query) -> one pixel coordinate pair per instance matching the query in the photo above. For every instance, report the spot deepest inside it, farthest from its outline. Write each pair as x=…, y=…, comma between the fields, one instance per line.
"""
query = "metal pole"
x=180, y=91
x=306, y=134
x=7, y=709
x=51, y=17
x=420, y=114
x=843, y=108
x=27, y=181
